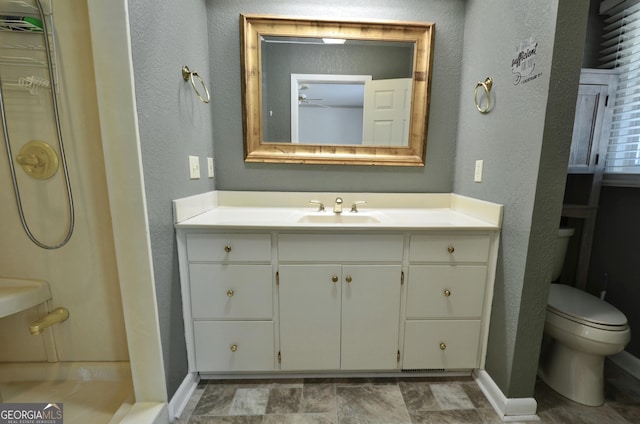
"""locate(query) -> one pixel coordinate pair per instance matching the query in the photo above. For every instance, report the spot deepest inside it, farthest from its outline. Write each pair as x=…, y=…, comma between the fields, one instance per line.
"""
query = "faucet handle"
x=319, y=203
x=354, y=206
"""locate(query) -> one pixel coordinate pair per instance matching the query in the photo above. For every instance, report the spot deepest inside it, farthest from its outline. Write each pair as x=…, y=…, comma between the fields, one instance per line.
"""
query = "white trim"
x=146, y=413
x=508, y=409
x=113, y=68
x=181, y=397
x=627, y=362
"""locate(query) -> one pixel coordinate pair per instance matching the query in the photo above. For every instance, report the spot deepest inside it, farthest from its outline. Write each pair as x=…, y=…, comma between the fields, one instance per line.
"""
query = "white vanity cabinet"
x=339, y=301
x=292, y=290
x=230, y=301
x=446, y=295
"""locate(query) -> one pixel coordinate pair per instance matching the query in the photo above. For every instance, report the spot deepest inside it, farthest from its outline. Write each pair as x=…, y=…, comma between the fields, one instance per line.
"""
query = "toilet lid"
x=583, y=306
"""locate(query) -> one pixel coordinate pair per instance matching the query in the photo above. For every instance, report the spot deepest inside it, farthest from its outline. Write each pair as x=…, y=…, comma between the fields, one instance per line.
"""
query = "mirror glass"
x=335, y=91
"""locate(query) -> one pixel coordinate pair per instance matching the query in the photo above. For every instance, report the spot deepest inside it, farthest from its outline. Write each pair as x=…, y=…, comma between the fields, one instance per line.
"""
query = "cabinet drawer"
x=449, y=248
x=229, y=247
x=224, y=291
x=340, y=247
x=450, y=291
x=441, y=345
x=233, y=346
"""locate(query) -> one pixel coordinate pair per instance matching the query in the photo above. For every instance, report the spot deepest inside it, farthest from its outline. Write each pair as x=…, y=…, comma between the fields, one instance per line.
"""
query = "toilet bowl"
x=580, y=332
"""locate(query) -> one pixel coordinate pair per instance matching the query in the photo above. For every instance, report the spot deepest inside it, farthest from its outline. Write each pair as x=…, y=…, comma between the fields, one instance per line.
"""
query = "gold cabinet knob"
x=227, y=248
x=234, y=348
x=447, y=293
x=443, y=346
x=451, y=249
x=334, y=278
x=348, y=279
x=230, y=293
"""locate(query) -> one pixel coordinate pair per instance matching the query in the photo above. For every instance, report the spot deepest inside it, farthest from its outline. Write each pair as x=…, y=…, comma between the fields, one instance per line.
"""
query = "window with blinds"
x=621, y=51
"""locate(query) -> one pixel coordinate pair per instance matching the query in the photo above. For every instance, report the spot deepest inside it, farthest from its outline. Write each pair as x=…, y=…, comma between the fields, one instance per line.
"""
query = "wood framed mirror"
x=361, y=90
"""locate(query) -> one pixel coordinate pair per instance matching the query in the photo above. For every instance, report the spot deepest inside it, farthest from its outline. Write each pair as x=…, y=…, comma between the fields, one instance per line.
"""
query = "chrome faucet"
x=337, y=207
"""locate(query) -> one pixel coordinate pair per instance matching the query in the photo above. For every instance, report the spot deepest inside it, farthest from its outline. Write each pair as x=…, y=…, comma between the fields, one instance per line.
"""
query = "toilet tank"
x=564, y=235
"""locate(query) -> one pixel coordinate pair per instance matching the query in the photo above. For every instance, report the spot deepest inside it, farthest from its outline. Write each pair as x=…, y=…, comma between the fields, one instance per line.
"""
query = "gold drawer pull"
x=230, y=293
x=227, y=248
x=447, y=293
x=334, y=278
x=234, y=348
x=451, y=249
x=348, y=279
x=443, y=346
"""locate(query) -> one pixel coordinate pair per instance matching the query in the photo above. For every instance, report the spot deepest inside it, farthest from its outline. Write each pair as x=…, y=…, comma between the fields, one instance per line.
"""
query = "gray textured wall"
x=235, y=174
x=524, y=143
x=173, y=125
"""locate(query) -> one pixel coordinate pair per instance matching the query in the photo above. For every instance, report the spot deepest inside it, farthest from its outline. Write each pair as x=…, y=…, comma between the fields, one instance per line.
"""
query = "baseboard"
x=627, y=362
x=181, y=397
x=508, y=409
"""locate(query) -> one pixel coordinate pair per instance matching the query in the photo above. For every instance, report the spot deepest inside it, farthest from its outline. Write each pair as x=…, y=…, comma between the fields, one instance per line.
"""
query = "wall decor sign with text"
x=523, y=63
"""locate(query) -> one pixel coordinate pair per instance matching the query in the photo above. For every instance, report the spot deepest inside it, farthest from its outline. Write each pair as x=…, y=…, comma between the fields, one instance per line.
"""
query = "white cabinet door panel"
x=310, y=317
x=370, y=316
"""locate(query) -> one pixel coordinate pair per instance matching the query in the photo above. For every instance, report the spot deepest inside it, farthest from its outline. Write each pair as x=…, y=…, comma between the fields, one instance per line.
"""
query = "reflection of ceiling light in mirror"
x=334, y=40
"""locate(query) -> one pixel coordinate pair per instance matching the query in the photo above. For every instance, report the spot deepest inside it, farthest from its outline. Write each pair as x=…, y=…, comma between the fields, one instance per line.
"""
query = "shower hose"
x=54, y=102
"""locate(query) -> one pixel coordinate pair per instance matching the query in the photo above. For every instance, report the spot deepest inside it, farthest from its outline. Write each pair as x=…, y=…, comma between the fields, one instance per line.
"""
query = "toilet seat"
x=584, y=308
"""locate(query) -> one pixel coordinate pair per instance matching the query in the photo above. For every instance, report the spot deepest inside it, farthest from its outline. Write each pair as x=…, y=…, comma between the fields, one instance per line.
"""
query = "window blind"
x=621, y=51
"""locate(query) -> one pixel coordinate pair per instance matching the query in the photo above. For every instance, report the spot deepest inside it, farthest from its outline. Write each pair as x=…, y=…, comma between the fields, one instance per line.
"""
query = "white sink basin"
x=17, y=295
x=343, y=218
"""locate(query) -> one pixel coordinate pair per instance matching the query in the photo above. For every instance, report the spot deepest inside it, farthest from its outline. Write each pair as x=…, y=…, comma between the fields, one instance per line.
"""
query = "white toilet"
x=580, y=331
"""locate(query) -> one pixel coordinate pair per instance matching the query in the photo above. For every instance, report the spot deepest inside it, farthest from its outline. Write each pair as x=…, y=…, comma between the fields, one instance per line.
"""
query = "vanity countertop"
x=382, y=211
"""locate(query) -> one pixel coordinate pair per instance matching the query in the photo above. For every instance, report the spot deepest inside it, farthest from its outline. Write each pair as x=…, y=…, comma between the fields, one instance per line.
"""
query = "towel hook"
x=486, y=85
x=189, y=75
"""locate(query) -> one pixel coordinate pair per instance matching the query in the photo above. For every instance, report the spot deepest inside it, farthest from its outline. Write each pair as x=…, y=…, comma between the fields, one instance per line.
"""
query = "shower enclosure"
x=87, y=361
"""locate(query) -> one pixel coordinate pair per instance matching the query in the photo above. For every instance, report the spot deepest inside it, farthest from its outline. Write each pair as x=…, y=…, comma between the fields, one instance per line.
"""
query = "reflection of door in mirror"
x=387, y=111
x=327, y=109
x=283, y=56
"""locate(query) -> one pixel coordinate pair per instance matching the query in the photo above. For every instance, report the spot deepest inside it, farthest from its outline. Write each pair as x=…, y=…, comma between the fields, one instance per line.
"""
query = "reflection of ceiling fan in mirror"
x=303, y=100
x=330, y=91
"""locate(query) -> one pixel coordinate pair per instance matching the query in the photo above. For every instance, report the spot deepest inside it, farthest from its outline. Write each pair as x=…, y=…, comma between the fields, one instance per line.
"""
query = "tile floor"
x=392, y=401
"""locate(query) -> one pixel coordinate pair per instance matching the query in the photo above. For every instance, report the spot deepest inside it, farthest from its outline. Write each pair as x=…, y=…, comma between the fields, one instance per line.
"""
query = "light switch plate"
x=477, y=176
x=210, y=167
x=194, y=167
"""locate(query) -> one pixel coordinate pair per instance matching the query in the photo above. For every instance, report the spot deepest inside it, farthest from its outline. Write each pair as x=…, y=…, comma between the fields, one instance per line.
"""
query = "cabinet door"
x=370, y=316
x=590, y=107
x=310, y=317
